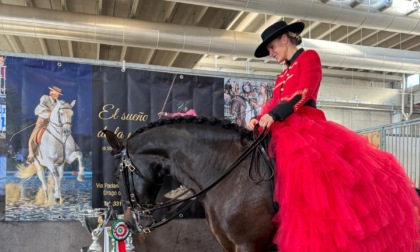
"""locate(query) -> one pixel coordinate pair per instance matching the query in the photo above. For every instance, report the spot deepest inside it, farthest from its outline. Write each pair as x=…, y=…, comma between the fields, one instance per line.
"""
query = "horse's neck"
x=54, y=127
x=204, y=163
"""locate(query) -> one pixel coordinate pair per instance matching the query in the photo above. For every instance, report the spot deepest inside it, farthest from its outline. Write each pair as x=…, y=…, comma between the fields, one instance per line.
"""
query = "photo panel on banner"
x=65, y=134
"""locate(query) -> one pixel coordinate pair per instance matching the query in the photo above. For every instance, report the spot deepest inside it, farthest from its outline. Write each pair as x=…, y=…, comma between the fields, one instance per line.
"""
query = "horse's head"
x=139, y=182
x=62, y=116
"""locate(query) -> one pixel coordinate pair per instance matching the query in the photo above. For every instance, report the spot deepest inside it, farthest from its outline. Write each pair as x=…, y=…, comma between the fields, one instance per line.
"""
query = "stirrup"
x=179, y=193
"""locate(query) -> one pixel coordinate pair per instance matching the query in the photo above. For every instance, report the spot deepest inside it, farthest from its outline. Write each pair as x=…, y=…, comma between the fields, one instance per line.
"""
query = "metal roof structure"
x=366, y=39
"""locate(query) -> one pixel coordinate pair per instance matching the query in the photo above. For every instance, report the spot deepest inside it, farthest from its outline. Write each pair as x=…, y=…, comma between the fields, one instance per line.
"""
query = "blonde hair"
x=295, y=38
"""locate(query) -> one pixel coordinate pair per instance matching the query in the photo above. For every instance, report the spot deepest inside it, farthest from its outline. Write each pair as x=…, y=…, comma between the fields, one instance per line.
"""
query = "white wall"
x=344, y=91
x=358, y=91
x=357, y=119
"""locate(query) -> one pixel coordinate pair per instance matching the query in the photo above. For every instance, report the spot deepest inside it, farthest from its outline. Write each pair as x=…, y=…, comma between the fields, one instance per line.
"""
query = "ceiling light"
x=416, y=5
x=409, y=7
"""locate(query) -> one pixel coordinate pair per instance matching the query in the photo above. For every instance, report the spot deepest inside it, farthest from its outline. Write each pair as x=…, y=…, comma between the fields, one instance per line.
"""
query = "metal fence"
x=403, y=141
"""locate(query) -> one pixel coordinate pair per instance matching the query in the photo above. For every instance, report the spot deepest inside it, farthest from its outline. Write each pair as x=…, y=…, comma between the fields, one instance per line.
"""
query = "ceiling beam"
x=268, y=22
x=99, y=7
x=98, y=51
x=189, y=39
x=348, y=34
x=380, y=41
x=131, y=15
x=330, y=12
x=170, y=7
x=364, y=37
x=70, y=46
x=328, y=32
x=402, y=40
x=64, y=5
x=249, y=18
x=308, y=30
x=237, y=17
x=98, y=45
x=14, y=43
x=29, y=3
x=123, y=53
x=198, y=16
x=41, y=41
x=133, y=10
x=69, y=43
x=413, y=46
x=171, y=61
x=43, y=46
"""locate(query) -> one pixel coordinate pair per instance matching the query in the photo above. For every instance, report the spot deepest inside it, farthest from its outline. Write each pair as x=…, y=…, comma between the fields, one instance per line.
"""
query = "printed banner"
x=62, y=151
x=124, y=102
x=243, y=99
x=70, y=152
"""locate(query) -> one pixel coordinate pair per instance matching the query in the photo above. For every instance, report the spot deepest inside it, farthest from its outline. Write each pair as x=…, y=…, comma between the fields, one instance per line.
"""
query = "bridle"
x=127, y=171
x=60, y=124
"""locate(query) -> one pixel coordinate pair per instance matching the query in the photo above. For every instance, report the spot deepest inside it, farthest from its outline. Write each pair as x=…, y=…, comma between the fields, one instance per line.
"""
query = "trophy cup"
x=94, y=220
x=129, y=243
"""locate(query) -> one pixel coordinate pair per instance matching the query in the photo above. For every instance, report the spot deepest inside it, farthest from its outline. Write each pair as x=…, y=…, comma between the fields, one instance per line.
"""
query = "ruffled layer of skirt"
x=337, y=192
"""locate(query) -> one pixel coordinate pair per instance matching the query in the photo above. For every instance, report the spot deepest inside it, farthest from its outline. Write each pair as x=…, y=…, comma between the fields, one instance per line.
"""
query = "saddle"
x=39, y=136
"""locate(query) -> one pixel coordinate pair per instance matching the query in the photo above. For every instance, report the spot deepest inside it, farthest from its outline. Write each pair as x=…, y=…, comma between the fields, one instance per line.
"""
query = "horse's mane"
x=226, y=124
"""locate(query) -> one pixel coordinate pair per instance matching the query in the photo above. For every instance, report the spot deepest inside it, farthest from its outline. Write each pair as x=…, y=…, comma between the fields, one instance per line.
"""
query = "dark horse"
x=197, y=152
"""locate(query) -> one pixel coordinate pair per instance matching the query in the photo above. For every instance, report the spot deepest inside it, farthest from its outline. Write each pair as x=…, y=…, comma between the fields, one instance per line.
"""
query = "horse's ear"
x=72, y=103
x=113, y=140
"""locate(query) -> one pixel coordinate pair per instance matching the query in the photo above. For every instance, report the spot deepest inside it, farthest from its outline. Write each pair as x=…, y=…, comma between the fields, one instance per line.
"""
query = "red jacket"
x=295, y=86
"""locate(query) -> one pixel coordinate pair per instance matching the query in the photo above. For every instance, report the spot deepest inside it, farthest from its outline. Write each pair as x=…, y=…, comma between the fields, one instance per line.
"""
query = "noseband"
x=127, y=170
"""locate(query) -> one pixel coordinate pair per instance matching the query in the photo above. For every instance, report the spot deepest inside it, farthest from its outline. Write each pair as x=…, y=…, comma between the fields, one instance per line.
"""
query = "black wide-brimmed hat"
x=274, y=31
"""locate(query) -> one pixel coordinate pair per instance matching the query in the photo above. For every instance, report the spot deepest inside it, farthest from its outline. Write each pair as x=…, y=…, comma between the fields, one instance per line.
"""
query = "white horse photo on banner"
x=56, y=148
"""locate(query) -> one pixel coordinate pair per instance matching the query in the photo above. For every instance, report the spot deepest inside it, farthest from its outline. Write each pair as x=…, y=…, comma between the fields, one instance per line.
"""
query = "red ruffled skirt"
x=337, y=192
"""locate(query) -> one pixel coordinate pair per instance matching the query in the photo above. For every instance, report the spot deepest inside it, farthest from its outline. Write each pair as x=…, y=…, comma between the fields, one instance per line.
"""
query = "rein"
x=127, y=170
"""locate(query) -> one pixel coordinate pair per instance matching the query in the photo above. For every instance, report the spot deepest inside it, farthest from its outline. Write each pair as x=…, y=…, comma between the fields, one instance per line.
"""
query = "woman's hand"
x=252, y=123
x=266, y=121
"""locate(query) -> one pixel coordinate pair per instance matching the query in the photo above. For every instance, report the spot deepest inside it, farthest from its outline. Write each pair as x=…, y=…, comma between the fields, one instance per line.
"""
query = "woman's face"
x=278, y=48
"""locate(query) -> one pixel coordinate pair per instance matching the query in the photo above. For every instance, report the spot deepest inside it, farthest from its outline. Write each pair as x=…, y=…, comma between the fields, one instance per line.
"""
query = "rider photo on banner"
x=123, y=102
x=244, y=98
x=49, y=131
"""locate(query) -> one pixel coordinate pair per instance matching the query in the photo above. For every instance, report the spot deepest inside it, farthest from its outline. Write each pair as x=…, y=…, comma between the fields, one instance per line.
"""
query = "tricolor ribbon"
x=119, y=232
